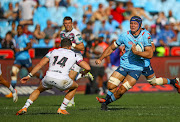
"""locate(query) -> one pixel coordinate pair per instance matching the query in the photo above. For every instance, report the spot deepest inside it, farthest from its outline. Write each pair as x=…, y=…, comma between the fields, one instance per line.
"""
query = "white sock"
x=11, y=89
x=28, y=103
x=72, y=100
x=64, y=104
x=101, y=89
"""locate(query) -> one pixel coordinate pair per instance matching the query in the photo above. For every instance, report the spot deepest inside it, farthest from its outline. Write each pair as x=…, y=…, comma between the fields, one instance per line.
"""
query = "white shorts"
x=75, y=67
x=61, y=84
x=0, y=70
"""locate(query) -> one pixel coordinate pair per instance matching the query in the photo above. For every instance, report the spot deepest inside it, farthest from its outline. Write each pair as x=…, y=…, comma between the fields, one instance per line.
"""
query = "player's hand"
x=17, y=49
x=98, y=61
x=122, y=48
x=133, y=48
x=24, y=79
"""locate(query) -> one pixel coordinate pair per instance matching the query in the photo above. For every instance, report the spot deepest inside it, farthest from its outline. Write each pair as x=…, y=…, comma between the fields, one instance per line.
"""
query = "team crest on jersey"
x=62, y=35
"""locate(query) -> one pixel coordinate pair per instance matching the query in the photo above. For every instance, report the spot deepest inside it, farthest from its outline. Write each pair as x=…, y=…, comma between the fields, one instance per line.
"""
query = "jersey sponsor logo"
x=130, y=42
x=78, y=35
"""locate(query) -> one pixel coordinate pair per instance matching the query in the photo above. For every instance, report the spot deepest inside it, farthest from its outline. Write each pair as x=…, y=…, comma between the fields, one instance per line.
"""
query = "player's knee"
x=126, y=85
x=15, y=70
x=114, y=81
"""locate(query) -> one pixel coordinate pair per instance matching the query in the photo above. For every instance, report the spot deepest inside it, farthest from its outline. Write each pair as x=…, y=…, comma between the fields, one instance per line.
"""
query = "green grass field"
x=144, y=107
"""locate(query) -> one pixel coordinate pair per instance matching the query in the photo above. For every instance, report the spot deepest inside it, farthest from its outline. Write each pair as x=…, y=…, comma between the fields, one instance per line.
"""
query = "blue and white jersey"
x=21, y=42
x=129, y=60
x=147, y=61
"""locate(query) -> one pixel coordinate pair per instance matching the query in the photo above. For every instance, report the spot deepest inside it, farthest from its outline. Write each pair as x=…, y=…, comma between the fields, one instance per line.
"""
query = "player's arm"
x=43, y=62
x=23, y=49
x=107, y=52
x=86, y=66
x=79, y=47
x=148, y=51
x=153, y=46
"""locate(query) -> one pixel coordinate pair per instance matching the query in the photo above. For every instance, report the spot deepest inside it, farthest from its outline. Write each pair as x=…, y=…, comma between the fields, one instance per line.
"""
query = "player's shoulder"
x=68, y=51
x=63, y=31
x=145, y=32
x=76, y=32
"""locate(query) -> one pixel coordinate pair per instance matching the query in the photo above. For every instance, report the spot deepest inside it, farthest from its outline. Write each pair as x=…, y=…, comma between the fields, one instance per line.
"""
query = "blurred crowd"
x=42, y=21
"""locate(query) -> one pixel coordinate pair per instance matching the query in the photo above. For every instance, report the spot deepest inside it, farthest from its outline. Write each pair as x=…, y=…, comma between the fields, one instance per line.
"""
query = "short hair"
x=66, y=42
x=67, y=18
x=20, y=26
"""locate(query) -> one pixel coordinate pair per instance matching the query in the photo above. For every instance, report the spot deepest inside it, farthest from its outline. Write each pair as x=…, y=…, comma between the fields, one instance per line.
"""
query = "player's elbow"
x=88, y=68
x=83, y=48
x=150, y=55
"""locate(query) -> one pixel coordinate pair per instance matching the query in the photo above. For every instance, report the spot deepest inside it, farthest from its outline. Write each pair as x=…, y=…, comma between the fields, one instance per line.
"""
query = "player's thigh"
x=73, y=86
x=148, y=72
x=130, y=80
x=115, y=79
x=72, y=74
x=41, y=88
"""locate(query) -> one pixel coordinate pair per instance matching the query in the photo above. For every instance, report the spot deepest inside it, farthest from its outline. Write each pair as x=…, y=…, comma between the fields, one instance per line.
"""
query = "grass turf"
x=132, y=107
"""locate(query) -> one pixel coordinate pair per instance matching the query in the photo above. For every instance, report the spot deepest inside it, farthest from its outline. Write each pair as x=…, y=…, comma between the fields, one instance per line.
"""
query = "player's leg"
x=9, y=86
x=112, y=85
x=34, y=95
x=129, y=82
x=69, y=95
x=72, y=75
x=148, y=72
x=14, y=73
x=115, y=79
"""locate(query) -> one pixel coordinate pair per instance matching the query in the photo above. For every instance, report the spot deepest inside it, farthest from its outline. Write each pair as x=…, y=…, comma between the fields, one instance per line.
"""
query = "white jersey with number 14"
x=60, y=62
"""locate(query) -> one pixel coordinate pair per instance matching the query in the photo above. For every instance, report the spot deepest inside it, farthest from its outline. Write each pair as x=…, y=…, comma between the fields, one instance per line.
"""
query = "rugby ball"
x=139, y=47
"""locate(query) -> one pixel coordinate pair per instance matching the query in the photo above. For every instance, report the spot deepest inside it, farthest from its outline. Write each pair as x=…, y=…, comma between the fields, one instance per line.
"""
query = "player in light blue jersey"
x=22, y=57
x=131, y=63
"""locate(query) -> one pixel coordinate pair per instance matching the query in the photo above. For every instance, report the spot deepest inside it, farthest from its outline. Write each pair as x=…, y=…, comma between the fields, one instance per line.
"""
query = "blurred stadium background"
x=156, y=14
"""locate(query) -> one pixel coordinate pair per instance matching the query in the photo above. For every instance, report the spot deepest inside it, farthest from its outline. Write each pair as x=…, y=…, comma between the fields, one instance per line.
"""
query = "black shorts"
x=97, y=71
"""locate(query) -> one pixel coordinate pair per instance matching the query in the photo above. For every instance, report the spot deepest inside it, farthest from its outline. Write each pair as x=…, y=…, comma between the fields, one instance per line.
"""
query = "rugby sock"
x=13, y=83
x=28, y=103
x=108, y=95
x=168, y=81
x=172, y=81
x=72, y=101
x=100, y=89
x=64, y=104
x=11, y=89
x=110, y=100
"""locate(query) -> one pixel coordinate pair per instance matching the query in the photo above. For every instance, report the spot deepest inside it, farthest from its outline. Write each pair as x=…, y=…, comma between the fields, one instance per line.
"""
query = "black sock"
x=172, y=81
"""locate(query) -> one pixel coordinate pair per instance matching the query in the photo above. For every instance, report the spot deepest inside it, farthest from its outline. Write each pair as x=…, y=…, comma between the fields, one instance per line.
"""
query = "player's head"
x=66, y=43
x=20, y=29
x=135, y=24
x=67, y=22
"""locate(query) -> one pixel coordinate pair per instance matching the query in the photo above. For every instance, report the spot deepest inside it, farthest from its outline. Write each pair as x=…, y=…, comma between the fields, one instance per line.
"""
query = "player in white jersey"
x=77, y=46
x=9, y=86
x=60, y=61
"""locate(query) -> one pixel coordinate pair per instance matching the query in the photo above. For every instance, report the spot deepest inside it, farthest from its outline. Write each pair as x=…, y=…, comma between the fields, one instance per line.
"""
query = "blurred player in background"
x=22, y=57
x=60, y=61
x=131, y=63
x=77, y=46
x=56, y=45
x=9, y=86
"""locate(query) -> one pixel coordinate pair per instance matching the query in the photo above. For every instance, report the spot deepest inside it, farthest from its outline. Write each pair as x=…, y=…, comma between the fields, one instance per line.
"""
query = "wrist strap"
x=73, y=45
x=21, y=49
x=30, y=75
